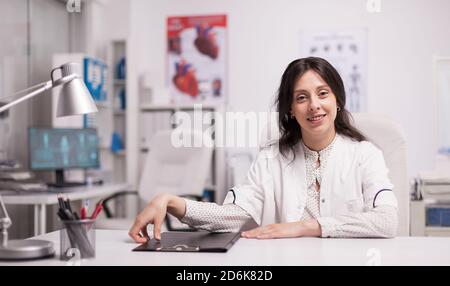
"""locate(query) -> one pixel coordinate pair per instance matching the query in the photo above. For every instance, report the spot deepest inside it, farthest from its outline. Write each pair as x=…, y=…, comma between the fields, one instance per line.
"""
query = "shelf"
x=437, y=231
x=108, y=148
x=119, y=112
x=102, y=104
x=121, y=153
x=437, y=228
x=173, y=107
x=120, y=82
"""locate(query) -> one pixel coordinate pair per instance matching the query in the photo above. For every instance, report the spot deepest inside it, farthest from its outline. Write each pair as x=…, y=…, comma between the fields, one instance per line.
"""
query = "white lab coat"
x=275, y=190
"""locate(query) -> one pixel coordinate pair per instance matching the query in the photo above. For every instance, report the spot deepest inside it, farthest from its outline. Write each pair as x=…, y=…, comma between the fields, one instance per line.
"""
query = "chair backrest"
x=176, y=170
x=387, y=136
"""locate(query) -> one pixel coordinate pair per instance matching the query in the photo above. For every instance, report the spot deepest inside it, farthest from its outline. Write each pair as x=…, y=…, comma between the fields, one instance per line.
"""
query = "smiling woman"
x=322, y=178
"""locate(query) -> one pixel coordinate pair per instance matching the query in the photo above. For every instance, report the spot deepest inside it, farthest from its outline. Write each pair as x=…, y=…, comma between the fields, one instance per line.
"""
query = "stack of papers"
x=434, y=185
x=14, y=178
x=435, y=178
x=23, y=185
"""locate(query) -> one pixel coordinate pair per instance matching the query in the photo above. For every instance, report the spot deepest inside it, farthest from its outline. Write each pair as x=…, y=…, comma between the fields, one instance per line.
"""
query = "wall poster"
x=347, y=51
x=196, y=59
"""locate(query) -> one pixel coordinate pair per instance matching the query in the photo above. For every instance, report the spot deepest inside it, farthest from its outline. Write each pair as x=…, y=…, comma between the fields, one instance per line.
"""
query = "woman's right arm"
x=214, y=217
x=246, y=201
x=200, y=215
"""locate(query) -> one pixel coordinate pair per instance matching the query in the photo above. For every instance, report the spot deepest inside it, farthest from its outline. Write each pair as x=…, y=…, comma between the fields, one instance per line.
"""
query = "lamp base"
x=26, y=249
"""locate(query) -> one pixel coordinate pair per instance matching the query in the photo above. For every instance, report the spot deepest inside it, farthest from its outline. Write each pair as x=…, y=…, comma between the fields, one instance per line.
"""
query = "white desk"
x=40, y=200
x=113, y=247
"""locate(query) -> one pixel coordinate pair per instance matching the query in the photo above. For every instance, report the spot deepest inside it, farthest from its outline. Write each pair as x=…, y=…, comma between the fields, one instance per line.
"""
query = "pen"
x=98, y=209
x=84, y=210
x=62, y=215
x=68, y=214
x=68, y=205
x=60, y=202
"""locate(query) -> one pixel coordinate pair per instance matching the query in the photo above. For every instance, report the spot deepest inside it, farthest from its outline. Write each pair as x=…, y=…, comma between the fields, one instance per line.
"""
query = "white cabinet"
x=430, y=207
x=419, y=211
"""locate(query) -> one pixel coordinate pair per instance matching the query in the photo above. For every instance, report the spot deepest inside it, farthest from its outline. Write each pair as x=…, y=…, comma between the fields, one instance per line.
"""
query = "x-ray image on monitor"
x=52, y=149
x=59, y=149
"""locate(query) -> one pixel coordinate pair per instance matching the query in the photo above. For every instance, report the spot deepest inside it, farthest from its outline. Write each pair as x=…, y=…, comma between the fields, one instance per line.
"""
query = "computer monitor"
x=60, y=149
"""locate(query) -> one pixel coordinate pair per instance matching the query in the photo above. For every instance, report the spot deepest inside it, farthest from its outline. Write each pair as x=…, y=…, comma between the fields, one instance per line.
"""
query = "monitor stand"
x=61, y=183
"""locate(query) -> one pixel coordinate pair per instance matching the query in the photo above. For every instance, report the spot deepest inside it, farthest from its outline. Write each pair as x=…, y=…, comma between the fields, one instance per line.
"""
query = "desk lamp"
x=74, y=99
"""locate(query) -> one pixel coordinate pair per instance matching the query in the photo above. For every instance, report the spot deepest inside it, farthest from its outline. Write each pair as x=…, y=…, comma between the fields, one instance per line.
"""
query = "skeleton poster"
x=347, y=52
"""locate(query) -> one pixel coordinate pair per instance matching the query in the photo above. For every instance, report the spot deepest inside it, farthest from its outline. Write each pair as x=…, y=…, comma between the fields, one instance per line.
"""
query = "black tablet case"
x=197, y=241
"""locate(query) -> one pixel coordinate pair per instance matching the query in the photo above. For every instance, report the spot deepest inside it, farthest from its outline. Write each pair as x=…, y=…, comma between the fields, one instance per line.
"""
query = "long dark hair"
x=289, y=128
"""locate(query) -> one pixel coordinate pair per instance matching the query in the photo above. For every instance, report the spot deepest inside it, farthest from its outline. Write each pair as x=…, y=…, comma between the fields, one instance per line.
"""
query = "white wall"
x=49, y=27
x=263, y=39
x=117, y=21
x=105, y=20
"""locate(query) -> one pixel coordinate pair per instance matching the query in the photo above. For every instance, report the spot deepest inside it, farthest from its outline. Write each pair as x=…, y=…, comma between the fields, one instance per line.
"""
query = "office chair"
x=167, y=169
x=390, y=139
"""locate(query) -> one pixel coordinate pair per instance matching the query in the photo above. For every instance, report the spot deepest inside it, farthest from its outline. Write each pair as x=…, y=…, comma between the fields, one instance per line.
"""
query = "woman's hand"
x=155, y=213
x=309, y=227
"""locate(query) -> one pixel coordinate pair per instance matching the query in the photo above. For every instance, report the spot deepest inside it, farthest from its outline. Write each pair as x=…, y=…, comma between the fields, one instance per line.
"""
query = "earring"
x=292, y=116
x=338, y=109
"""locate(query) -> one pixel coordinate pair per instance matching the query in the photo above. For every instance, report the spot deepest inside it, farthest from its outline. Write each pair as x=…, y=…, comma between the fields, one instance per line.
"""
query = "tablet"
x=197, y=241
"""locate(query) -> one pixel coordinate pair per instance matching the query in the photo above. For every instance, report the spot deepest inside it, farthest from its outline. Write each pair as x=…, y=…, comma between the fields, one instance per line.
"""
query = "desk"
x=113, y=247
x=41, y=200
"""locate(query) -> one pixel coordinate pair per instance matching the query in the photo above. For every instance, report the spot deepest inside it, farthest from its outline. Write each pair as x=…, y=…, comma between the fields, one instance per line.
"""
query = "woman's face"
x=314, y=105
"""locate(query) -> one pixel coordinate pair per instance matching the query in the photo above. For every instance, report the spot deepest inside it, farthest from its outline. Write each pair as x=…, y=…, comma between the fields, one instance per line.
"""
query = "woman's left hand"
x=284, y=230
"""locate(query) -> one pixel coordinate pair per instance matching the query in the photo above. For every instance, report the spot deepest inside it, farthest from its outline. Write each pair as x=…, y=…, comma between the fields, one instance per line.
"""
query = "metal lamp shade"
x=75, y=99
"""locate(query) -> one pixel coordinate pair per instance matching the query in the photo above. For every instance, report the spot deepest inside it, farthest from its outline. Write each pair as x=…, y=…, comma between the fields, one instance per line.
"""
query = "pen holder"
x=77, y=239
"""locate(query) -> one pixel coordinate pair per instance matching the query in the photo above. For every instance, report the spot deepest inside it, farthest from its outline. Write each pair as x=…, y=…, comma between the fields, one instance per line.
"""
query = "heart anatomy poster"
x=196, y=59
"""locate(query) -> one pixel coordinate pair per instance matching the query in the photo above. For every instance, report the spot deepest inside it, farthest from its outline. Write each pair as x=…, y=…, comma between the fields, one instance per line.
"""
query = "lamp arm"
x=5, y=223
x=46, y=86
x=15, y=95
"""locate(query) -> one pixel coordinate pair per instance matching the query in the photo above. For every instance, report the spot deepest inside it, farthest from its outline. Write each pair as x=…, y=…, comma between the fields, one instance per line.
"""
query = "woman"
x=321, y=179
